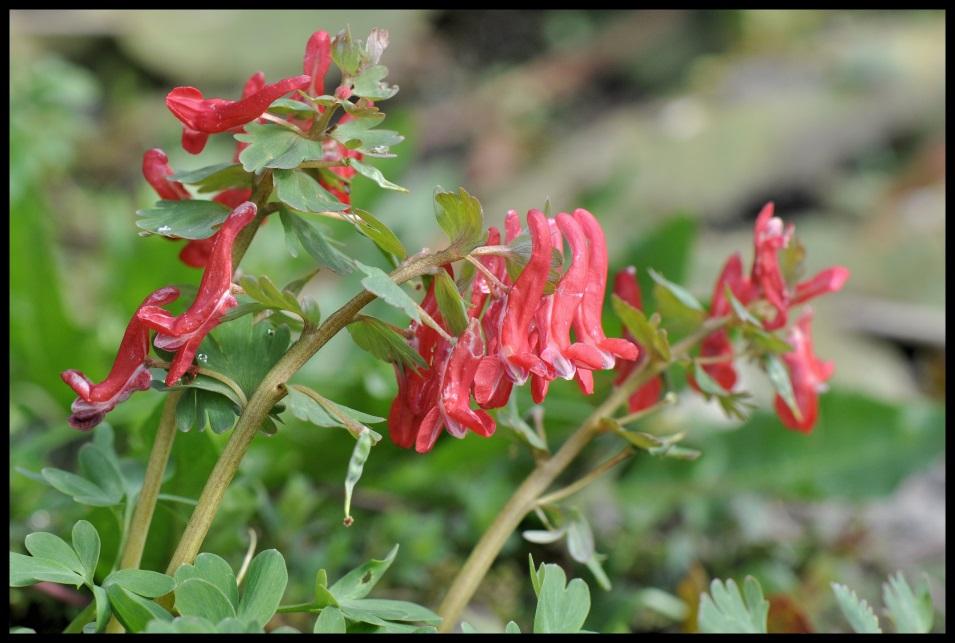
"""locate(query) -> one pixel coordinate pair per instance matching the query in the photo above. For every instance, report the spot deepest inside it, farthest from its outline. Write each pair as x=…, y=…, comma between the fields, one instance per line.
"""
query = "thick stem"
x=270, y=391
x=526, y=496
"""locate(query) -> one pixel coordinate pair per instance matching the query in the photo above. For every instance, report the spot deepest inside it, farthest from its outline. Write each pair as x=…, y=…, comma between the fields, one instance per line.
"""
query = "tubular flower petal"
x=203, y=116
x=213, y=300
x=826, y=281
x=808, y=375
x=717, y=344
x=626, y=287
x=588, y=324
x=318, y=58
x=197, y=251
x=770, y=237
x=156, y=171
x=522, y=301
x=128, y=374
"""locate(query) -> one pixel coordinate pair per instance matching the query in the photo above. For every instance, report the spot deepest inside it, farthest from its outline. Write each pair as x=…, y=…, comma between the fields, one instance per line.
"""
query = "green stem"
x=525, y=498
x=85, y=616
x=142, y=516
x=271, y=390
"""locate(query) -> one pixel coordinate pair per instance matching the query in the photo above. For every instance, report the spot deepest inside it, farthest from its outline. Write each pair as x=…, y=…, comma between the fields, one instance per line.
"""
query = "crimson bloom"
x=767, y=281
x=184, y=333
x=808, y=375
x=128, y=375
x=627, y=287
x=515, y=332
x=204, y=116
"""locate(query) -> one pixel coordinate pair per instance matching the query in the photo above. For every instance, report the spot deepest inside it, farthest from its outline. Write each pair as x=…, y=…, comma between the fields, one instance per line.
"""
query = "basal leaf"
x=856, y=611
x=561, y=607
x=723, y=610
x=361, y=580
x=263, y=588
x=142, y=582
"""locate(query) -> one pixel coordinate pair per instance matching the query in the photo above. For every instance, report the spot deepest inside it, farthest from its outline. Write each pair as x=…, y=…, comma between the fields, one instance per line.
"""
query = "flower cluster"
x=183, y=334
x=515, y=332
x=767, y=282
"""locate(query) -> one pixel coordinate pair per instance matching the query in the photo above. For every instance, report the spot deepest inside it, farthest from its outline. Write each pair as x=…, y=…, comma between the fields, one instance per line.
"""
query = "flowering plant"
x=498, y=312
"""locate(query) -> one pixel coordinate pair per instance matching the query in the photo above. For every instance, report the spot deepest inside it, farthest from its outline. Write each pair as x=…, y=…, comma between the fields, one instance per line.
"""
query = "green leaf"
x=361, y=580
x=379, y=339
x=450, y=303
x=739, y=310
x=779, y=376
x=277, y=147
x=723, y=610
x=142, y=582
x=347, y=53
x=102, y=608
x=29, y=570
x=379, y=233
x=645, y=332
x=314, y=242
x=461, y=217
x=679, y=309
x=580, y=538
x=244, y=353
x=467, y=628
x=561, y=607
x=910, y=613
x=188, y=219
x=373, y=173
x=102, y=470
x=330, y=414
x=86, y=544
x=512, y=628
x=214, y=178
x=82, y=490
x=369, y=84
x=182, y=625
x=290, y=107
x=375, y=610
x=217, y=571
x=198, y=597
x=763, y=341
x=856, y=611
x=330, y=621
x=300, y=191
x=509, y=417
x=134, y=612
x=371, y=142
x=791, y=259
x=544, y=536
x=356, y=465
x=48, y=546
x=264, y=586
x=537, y=575
x=265, y=292
x=598, y=571
x=381, y=285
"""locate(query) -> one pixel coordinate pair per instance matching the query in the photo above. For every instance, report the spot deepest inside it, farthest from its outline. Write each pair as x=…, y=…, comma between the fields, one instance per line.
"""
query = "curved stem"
x=526, y=496
x=271, y=390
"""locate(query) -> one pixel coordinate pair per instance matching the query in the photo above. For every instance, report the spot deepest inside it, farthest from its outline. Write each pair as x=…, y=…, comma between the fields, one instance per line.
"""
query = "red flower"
x=808, y=375
x=717, y=345
x=626, y=287
x=156, y=170
x=185, y=332
x=204, y=116
x=318, y=58
x=767, y=278
x=128, y=375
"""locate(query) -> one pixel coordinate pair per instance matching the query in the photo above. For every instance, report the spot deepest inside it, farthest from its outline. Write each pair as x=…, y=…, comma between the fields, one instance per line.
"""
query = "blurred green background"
x=674, y=128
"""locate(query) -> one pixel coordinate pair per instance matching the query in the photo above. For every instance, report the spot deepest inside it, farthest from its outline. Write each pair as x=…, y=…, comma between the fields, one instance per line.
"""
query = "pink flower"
x=204, y=116
x=808, y=375
x=185, y=332
x=128, y=375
